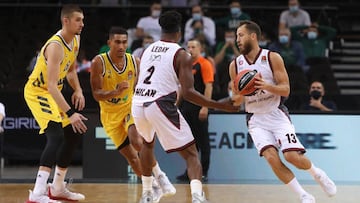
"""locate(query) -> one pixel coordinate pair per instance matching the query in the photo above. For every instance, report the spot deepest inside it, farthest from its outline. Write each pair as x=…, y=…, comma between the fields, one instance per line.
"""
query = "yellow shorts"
x=116, y=124
x=44, y=108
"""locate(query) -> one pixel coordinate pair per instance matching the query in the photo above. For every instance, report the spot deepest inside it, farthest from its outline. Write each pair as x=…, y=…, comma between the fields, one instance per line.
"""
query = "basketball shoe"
x=147, y=197
x=196, y=198
x=64, y=194
x=326, y=183
x=157, y=191
x=43, y=198
x=307, y=198
x=167, y=188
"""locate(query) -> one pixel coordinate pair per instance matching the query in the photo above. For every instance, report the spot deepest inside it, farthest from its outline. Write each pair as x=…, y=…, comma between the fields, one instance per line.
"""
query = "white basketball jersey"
x=263, y=101
x=157, y=77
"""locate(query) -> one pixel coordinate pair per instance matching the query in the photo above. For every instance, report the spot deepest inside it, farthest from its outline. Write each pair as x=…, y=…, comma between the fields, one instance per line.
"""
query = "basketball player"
x=164, y=67
x=268, y=119
x=113, y=77
x=55, y=63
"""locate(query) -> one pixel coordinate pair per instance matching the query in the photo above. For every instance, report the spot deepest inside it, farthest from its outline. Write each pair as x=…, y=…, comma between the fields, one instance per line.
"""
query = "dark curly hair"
x=170, y=22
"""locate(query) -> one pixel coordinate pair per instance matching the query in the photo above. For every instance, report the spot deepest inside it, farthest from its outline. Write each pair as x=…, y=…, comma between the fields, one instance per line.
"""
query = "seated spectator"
x=315, y=39
x=208, y=26
x=317, y=101
x=291, y=51
x=83, y=63
x=150, y=24
x=294, y=16
x=264, y=40
x=148, y=39
x=293, y=54
x=232, y=21
x=226, y=51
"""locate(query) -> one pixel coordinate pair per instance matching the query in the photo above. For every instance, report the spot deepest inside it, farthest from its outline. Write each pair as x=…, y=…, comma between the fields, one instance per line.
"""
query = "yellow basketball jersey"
x=112, y=75
x=38, y=80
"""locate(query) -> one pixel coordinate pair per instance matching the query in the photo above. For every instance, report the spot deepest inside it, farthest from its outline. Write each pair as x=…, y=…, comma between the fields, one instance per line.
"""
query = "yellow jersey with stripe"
x=39, y=100
x=113, y=75
x=38, y=78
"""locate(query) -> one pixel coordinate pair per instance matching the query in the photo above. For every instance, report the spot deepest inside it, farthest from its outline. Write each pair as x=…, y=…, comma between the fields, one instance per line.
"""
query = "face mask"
x=262, y=43
x=283, y=39
x=293, y=9
x=196, y=16
x=312, y=35
x=146, y=45
x=229, y=39
x=235, y=11
x=155, y=13
x=315, y=94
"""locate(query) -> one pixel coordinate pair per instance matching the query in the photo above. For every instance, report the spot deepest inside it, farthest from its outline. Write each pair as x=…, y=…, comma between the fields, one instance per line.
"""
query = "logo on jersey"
x=263, y=59
x=130, y=75
x=241, y=62
x=109, y=73
x=155, y=57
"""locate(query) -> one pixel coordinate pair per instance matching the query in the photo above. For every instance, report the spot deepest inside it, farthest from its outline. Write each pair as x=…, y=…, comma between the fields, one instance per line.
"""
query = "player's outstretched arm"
x=186, y=78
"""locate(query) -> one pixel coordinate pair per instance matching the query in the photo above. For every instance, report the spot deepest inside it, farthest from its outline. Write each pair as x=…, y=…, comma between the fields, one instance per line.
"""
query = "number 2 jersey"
x=157, y=77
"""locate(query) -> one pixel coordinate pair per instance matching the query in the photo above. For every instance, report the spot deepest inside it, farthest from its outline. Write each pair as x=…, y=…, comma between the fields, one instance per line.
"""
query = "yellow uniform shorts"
x=44, y=108
x=116, y=124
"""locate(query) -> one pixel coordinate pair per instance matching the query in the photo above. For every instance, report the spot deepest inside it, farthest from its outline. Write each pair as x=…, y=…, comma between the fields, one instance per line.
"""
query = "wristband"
x=70, y=112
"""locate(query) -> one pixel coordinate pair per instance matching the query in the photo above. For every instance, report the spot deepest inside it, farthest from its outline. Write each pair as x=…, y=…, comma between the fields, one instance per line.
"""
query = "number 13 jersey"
x=157, y=77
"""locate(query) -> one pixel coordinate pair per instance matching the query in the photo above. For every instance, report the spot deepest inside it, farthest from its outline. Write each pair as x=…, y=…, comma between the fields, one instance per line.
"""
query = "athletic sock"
x=196, y=187
x=296, y=187
x=147, y=183
x=41, y=181
x=157, y=170
x=59, y=177
x=313, y=170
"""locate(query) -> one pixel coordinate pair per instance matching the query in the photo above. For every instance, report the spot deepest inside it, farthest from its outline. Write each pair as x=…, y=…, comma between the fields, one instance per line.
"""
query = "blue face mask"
x=293, y=9
x=196, y=16
x=312, y=35
x=283, y=39
x=262, y=44
x=235, y=11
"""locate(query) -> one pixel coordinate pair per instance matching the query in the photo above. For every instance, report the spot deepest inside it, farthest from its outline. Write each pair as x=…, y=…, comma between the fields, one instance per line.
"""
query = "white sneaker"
x=196, y=198
x=64, y=194
x=33, y=198
x=147, y=197
x=167, y=188
x=307, y=198
x=326, y=183
x=157, y=191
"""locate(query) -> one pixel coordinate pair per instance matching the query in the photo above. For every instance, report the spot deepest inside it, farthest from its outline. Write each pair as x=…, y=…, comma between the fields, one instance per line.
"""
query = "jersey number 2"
x=151, y=71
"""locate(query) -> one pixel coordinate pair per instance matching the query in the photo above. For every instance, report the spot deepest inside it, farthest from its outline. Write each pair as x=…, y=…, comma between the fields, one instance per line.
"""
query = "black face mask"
x=315, y=94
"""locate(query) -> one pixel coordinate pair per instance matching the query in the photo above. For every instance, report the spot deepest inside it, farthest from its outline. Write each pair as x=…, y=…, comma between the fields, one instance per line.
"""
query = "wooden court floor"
x=216, y=193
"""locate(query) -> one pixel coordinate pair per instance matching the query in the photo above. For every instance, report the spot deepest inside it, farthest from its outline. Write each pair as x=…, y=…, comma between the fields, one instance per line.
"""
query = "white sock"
x=313, y=170
x=157, y=170
x=41, y=181
x=196, y=187
x=147, y=183
x=59, y=177
x=296, y=187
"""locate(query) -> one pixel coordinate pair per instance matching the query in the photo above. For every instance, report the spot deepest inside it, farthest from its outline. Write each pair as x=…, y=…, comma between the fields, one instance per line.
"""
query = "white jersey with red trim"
x=263, y=101
x=157, y=77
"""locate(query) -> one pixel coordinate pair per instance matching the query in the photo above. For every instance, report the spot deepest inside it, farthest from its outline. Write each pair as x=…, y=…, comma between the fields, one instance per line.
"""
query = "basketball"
x=244, y=82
